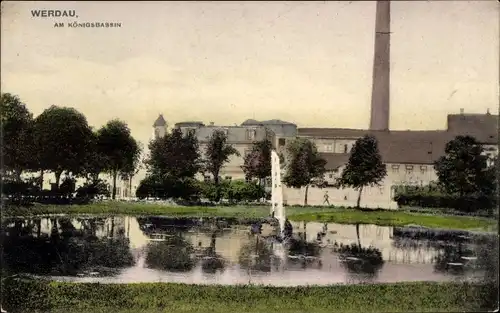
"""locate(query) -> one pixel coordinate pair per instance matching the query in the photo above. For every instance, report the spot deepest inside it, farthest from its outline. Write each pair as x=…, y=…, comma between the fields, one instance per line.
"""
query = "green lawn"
x=320, y=214
x=169, y=297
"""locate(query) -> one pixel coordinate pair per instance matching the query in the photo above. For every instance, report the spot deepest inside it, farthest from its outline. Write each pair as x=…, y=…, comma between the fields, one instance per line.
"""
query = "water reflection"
x=62, y=249
x=211, y=260
x=360, y=260
x=256, y=255
x=173, y=254
x=128, y=249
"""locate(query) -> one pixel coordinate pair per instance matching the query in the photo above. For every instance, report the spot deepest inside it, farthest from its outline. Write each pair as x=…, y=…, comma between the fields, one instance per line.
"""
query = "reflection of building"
x=379, y=237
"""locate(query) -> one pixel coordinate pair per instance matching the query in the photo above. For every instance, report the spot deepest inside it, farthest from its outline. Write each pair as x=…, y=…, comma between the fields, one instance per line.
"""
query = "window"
x=393, y=191
x=248, y=179
x=330, y=175
x=191, y=131
x=423, y=169
x=206, y=178
x=395, y=168
x=251, y=134
x=281, y=142
x=345, y=148
x=228, y=178
x=328, y=148
x=409, y=169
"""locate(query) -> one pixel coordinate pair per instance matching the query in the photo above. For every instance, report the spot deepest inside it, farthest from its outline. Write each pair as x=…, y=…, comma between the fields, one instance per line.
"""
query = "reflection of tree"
x=416, y=244
x=302, y=247
x=256, y=255
x=212, y=261
x=360, y=260
x=303, y=252
x=65, y=251
x=173, y=254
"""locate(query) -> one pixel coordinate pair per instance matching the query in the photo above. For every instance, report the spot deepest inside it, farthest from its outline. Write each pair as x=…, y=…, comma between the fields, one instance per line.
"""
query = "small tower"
x=159, y=127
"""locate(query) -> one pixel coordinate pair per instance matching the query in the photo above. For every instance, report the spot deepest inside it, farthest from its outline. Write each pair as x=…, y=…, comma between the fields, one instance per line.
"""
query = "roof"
x=412, y=147
x=483, y=127
x=334, y=160
x=160, y=121
x=268, y=122
x=189, y=123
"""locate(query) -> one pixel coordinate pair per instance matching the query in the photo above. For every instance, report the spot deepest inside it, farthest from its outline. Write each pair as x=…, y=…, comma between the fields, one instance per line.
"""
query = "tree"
x=364, y=168
x=305, y=166
x=120, y=150
x=463, y=169
x=95, y=162
x=17, y=145
x=173, y=162
x=217, y=153
x=258, y=162
x=62, y=139
x=133, y=168
x=148, y=187
x=174, y=155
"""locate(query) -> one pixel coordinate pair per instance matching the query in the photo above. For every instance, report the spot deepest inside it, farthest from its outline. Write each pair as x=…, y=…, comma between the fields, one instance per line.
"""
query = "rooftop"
x=268, y=122
x=160, y=121
x=412, y=147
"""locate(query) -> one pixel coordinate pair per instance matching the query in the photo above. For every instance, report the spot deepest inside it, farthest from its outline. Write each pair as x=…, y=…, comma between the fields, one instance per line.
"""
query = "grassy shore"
x=169, y=297
x=319, y=214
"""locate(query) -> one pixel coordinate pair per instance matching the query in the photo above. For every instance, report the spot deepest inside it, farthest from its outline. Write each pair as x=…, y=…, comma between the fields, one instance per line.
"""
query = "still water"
x=125, y=249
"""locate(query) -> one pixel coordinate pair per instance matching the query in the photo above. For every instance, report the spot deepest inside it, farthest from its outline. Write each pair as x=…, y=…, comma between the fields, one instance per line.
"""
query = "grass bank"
x=319, y=214
x=169, y=297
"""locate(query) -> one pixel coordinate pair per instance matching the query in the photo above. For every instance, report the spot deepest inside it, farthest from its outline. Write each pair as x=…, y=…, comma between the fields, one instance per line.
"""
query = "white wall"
x=372, y=197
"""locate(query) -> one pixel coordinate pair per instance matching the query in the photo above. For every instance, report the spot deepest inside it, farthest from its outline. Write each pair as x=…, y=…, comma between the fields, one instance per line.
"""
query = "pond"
x=124, y=249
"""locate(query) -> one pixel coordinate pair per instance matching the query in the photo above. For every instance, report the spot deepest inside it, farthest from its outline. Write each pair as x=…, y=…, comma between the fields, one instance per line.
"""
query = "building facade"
x=241, y=138
x=408, y=155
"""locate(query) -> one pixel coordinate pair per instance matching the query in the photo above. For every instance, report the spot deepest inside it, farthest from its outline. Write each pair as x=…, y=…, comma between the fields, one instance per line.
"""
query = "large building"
x=408, y=155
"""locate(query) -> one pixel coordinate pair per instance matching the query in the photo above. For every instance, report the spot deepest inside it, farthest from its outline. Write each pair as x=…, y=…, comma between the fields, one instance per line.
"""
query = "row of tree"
x=176, y=159
x=59, y=140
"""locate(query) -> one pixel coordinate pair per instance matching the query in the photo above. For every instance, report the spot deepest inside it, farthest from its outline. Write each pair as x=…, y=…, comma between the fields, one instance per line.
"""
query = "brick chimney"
x=379, y=119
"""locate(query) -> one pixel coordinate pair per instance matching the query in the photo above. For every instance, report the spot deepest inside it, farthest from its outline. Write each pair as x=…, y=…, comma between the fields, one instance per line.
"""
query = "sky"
x=304, y=62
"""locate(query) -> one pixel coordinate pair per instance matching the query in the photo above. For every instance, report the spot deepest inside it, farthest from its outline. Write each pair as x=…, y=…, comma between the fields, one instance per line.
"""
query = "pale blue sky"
x=305, y=62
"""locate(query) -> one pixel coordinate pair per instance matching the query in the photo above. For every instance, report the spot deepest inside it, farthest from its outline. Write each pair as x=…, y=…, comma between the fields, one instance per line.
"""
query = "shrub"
x=431, y=196
x=93, y=189
x=467, y=204
x=233, y=191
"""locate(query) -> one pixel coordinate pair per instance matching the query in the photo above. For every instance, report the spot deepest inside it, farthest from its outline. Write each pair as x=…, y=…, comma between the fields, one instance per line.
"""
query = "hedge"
x=468, y=204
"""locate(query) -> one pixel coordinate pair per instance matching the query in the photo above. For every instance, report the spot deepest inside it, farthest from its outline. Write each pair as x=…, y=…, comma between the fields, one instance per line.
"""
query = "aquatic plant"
x=303, y=247
x=173, y=254
x=358, y=259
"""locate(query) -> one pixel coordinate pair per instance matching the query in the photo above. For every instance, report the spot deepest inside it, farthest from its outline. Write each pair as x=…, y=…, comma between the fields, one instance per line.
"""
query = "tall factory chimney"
x=379, y=119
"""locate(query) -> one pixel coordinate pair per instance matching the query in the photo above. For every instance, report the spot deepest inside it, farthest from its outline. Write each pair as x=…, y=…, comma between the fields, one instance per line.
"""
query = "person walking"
x=326, y=198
